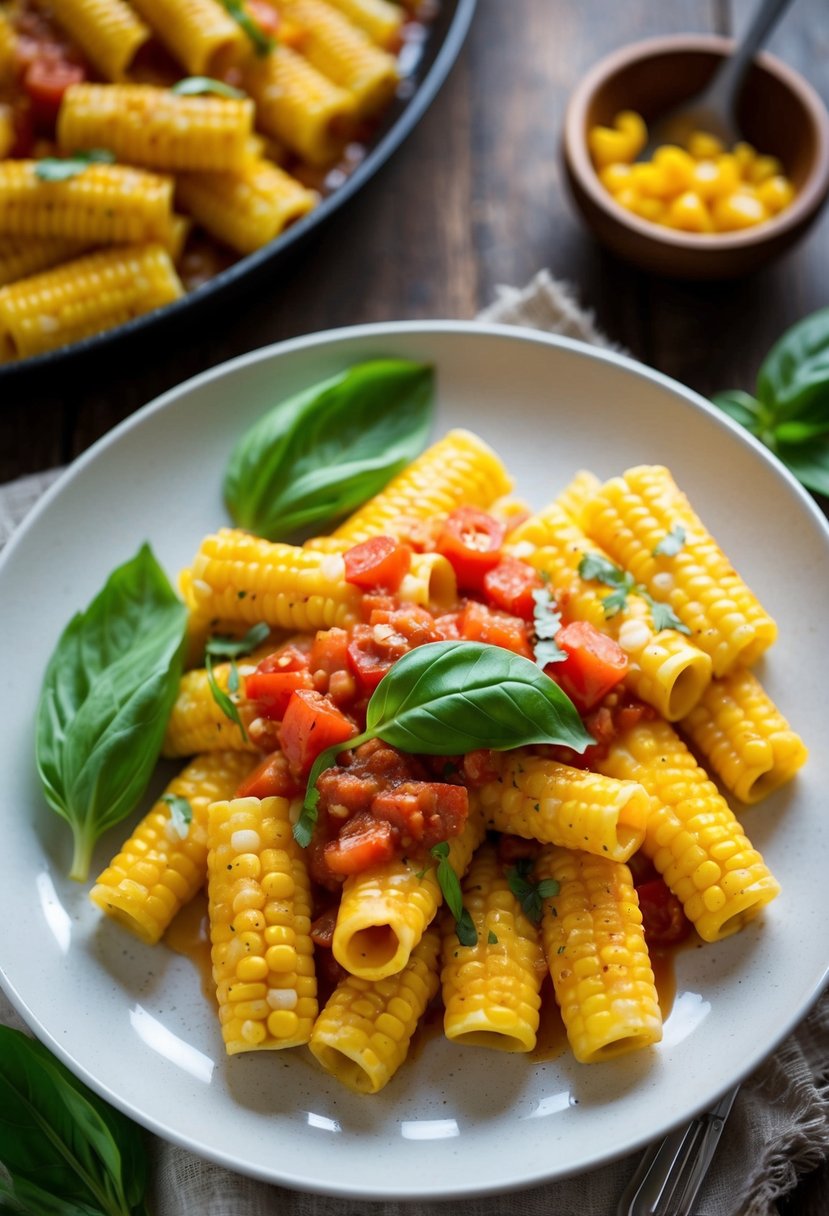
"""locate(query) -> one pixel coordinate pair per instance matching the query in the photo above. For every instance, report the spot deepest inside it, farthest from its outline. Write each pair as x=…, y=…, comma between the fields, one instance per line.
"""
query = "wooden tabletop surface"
x=475, y=198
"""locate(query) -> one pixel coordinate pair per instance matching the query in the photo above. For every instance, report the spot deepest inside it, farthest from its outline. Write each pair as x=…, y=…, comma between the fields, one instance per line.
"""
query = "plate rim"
x=387, y=331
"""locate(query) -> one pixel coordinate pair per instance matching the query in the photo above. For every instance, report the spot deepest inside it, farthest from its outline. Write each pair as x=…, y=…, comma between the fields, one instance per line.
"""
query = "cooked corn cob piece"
x=344, y=53
x=597, y=956
x=578, y=491
x=247, y=208
x=458, y=470
x=380, y=20
x=200, y=34
x=157, y=871
x=430, y=580
x=363, y=1034
x=299, y=106
x=491, y=990
x=102, y=205
x=197, y=723
x=259, y=903
x=666, y=670
x=108, y=31
x=743, y=736
x=84, y=297
x=540, y=799
x=21, y=256
x=180, y=228
x=631, y=515
x=385, y=910
x=156, y=128
x=692, y=836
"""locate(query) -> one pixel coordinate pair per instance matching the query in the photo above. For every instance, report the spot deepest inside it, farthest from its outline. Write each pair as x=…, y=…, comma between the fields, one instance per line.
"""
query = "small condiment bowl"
x=779, y=113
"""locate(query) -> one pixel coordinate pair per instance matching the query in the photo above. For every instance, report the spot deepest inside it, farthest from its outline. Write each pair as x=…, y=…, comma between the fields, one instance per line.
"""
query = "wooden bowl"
x=779, y=113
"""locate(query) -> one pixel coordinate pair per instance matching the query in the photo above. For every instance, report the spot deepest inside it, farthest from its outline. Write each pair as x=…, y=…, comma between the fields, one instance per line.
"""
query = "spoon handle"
x=731, y=75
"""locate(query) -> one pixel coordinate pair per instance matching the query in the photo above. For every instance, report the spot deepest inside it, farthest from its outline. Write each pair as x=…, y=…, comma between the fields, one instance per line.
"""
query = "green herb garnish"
x=62, y=168
x=237, y=648
x=181, y=813
x=450, y=886
x=195, y=86
x=107, y=693
x=262, y=43
x=671, y=542
x=233, y=649
x=601, y=569
x=323, y=452
x=530, y=895
x=546, y=624
x=790, y=410
x=491, y=939
x=448, y=698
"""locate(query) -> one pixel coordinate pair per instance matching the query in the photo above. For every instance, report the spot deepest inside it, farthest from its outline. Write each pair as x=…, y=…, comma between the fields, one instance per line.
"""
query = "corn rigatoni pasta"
x=200, y=34
x=21, y=256
x=108, y=31
x=379, y=18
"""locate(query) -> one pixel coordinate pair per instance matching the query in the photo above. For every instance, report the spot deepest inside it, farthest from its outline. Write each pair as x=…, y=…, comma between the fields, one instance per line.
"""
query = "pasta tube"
x=381, y=20
x=200, y=34
x=197, y=722
x=363, y=1034
x=631, y=516
x=597, y=956
x=108, y=31
x=576, y=494
x=158, y=870
x=21, y=256
x=542, y=800
x=692, y=836
x=491, y=991
x=259, y=904
x=742, y=735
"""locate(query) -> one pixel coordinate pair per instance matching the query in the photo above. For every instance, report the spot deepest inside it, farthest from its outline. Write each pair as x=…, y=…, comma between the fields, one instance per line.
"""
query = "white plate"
x=132, y=1021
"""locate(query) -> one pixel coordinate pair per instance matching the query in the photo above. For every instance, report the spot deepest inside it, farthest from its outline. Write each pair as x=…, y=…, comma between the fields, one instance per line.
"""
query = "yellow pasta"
x=156, y=128
x=692, y=836
x=381, y=20
x=198, y=723
x=21, y=256
x=163, y=864
x=84, y=297
x=597, y=956
x=491, y=991
x=385, y=909
x=102, y=205
x=248, y=207
x=108, y=31
x=541, y=799
x=631, y=516
x=741, y=734
x=200, y=34
x=363, y=1034
x=299, y=106
x=259, y=905
x=576, y=494
x=8, y=49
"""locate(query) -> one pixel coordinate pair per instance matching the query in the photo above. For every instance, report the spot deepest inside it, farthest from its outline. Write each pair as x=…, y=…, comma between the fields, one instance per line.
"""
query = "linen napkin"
x=779, y=1127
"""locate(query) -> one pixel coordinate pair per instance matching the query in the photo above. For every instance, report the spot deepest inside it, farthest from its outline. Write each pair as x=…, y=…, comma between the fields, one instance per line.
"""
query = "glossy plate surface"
x=133, y=1021
x=425, y=68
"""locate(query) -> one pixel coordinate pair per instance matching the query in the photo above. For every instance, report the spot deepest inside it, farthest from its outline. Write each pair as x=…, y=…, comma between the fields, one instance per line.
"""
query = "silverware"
x=671, y=1172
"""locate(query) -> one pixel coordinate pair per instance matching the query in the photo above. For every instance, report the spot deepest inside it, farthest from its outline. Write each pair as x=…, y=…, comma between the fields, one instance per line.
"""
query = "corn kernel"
x=738, y=210
x=745, y=155
x=775, y=193
x=615, y=177
x=689, y=214
x=704, y=146
x=677, y=167
x=763, y=168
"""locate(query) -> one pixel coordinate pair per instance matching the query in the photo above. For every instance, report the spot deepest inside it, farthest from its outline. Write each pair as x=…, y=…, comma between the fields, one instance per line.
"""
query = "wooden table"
x=475, y=198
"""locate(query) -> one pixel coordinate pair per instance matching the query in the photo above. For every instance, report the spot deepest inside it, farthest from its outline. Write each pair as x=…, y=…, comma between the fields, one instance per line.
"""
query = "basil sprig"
x=197, y=86
x=447, y=698
x=62, y=168
x=323, y=452
x=261, y=42
x=530, y=894
x=107, y=693
x=450, y=887
x=233, y=649
x=789, y=412
x=600, y=569
x=65, y=1151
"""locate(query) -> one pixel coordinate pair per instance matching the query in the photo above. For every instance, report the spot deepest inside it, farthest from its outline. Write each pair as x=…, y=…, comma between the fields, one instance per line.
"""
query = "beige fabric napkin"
x=778, y=1130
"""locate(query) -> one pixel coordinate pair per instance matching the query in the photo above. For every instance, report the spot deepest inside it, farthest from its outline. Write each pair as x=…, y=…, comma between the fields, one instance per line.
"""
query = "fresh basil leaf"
x=261, y=42
x=107, y=693
x=224, y=702
x=450, y=886
x=66, y=1152
x=793, y=381
x=528, y=893
x=323, y=452
x=809, y=462
x=181, y=813
x=617, y=600
x=194, y=86
x=671, y=542
x=237, y=648
x=546, y=624
x=449, y=698
x=491, y=939
x=601, y=569
x=61, y=169
x=742, y=407
x=800, y=432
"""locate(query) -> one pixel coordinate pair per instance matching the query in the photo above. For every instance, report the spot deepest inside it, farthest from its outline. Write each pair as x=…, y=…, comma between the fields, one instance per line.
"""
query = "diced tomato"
x=380, y=563
x=471, y=540
x=45, y=80
x=322, y=928
x=276, y=677
x=510, y=586
x=594, y=665
x=388, y=636
x=663, y=919
x=363, y=842
x=423, y=813
x=271, y=778
x=264, y=14
x=481, y=624
x=329, y=651
x=447, y=626
x=311, y=724
x=367, y=658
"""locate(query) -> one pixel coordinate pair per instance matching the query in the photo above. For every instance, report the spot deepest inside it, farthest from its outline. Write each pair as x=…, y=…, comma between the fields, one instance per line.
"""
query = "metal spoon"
x=714, y=109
